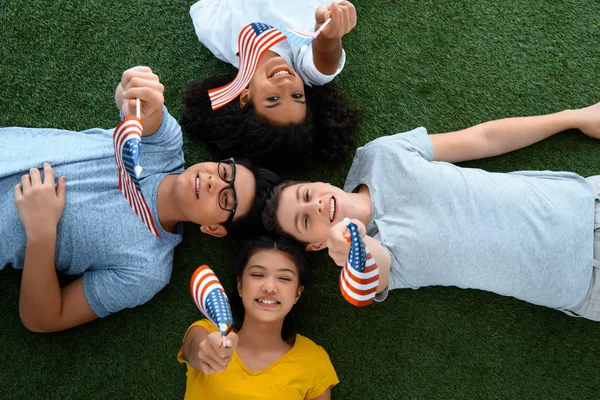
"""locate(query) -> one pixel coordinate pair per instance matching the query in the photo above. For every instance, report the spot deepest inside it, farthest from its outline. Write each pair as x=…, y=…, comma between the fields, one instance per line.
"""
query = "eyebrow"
x=297, y=216
x=279, y=103
x=279, y=270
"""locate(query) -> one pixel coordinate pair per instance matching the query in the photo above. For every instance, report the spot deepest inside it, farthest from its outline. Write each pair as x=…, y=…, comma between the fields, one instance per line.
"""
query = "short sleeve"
x=203, y=323
x=415, y=141
x=167, y=135
x=305, y=66
x=110, y=290
x=324, y=376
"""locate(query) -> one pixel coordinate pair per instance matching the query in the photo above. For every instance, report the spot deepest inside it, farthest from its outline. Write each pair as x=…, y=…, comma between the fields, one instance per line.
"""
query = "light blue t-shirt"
x=99, y=236
x=523, y=234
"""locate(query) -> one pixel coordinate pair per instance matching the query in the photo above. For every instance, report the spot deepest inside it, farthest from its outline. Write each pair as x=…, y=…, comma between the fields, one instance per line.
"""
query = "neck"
x=260, y=336
x=362, y=206
x=168, y=215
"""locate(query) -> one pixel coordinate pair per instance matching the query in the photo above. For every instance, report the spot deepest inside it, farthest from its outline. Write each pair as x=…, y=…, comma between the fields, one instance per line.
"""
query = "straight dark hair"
x=298, y=256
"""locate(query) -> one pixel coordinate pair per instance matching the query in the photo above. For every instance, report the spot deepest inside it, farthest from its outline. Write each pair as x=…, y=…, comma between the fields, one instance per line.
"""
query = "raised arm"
x=204, y=350
x=505, y=135
x=338, y=248
x=45, y=306
x=141, y=83
x=327, y=47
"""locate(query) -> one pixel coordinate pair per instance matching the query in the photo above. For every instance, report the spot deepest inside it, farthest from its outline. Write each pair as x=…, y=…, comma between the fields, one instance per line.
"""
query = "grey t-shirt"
x=99, y=236
x=523, y=234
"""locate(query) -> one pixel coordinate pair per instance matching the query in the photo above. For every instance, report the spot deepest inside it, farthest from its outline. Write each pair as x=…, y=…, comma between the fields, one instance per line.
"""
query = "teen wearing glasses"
x=63, y=212
x=533, y=235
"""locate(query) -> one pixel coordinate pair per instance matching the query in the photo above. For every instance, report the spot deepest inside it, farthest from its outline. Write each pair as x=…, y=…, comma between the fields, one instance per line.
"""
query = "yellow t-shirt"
x=304, y=372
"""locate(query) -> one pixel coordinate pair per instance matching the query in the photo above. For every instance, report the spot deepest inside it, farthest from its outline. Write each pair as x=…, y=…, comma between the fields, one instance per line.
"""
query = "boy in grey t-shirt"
x=84, y=226
x=428, y=222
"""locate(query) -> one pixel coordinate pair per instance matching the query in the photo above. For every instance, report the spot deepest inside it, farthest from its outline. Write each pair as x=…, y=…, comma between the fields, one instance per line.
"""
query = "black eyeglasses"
x=227, y=195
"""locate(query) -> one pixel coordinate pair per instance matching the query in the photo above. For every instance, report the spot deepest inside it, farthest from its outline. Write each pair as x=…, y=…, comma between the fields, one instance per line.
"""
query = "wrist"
x=41, y=235
x=327, y=45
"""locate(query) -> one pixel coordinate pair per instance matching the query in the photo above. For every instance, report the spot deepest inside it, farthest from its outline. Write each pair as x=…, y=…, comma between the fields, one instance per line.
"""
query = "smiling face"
x=277, y=93
x=269, y=285
x=199, y=190
x=308, y=210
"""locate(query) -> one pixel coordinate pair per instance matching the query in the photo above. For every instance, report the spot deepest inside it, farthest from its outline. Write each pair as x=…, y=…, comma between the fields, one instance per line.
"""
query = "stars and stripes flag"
x=127, y=144
x=211, y=300
x=254, y=40
x=360, y=275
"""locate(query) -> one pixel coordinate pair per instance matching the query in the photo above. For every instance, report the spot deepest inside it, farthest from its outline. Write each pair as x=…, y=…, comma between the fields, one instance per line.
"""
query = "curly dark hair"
x=251, y=224
x=298, y=256
x=328, y=132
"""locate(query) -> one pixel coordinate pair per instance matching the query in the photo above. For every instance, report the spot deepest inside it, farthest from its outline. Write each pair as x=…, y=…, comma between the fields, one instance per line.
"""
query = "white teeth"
x=197, y=185
x=280, y=73
x=331, y=209
x=267, y=301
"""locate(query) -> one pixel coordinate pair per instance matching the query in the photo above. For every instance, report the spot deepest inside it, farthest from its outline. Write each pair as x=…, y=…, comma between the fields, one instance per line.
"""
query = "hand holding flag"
x=360, y=275
x=211, y=300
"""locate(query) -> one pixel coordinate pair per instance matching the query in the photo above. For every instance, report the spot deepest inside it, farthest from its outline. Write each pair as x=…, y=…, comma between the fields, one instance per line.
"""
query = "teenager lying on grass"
x=265, y=358
x=84, y=226
x=288, y=113
x=533, y=235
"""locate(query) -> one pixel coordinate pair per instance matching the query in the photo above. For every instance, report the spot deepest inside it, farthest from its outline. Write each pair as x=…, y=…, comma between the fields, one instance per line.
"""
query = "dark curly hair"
x=328, y=132
x=251, y=224
x=298, y=256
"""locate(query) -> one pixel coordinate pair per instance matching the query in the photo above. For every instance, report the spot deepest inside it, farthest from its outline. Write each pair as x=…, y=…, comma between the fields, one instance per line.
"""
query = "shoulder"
x=307, y=347
x=204, y=323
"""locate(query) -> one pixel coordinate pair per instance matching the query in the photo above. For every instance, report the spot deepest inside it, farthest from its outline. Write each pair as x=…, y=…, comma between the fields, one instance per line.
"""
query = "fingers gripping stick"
x=360, y=275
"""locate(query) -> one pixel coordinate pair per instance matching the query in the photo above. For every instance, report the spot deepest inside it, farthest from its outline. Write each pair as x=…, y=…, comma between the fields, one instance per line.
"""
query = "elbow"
x=35, y=324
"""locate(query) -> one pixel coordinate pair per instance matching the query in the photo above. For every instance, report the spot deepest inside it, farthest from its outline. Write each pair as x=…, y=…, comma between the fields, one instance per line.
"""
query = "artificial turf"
x=441, y=64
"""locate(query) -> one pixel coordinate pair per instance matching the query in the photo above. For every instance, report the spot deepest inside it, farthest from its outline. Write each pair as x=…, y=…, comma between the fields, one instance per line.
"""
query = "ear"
x=239, y=286
x=315, y=246
x=298, y=293
x=245, y=98
x=214, y=230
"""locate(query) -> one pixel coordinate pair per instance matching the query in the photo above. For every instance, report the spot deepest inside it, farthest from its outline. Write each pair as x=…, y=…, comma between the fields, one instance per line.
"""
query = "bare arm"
x=204, y=350
x=505, y=135
x=383, y=259
x=327, y=47
x=43, y=305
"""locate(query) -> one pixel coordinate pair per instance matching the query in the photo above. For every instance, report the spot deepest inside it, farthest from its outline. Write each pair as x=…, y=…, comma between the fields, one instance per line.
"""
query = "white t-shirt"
x=219, y=22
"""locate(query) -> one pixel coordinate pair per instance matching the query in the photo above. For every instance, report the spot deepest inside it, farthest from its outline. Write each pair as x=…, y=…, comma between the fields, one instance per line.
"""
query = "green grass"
x=442, y=64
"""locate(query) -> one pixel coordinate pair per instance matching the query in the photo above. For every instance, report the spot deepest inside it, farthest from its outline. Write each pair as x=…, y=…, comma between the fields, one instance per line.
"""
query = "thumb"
x=61, y=188
x=232, y=340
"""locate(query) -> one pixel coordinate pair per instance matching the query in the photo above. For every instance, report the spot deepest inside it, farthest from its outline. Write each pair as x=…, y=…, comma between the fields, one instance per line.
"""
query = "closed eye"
x=285, y=279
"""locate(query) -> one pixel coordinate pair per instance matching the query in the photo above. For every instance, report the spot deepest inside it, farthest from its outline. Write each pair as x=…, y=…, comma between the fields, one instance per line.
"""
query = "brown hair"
x=269, y=214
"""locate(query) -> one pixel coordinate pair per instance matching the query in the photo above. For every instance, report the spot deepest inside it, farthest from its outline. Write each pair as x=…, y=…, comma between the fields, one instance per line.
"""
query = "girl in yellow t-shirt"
x=265, y=359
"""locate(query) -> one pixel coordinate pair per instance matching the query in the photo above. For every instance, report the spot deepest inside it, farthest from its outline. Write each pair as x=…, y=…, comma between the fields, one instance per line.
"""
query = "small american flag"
x=211, y=300
x=254, y=40
x=127, y=145
x=360, y=275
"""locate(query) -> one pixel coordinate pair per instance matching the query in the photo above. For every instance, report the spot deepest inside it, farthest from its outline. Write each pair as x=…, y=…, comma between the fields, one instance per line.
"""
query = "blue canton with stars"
x=259, y=27
x=217, y=308
x=132, y=157
x=357, y=258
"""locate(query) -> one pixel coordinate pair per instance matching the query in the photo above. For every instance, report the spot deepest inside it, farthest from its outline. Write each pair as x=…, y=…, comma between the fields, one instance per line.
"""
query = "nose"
x=212, y=183
x=269, y=287
x=317, y=206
